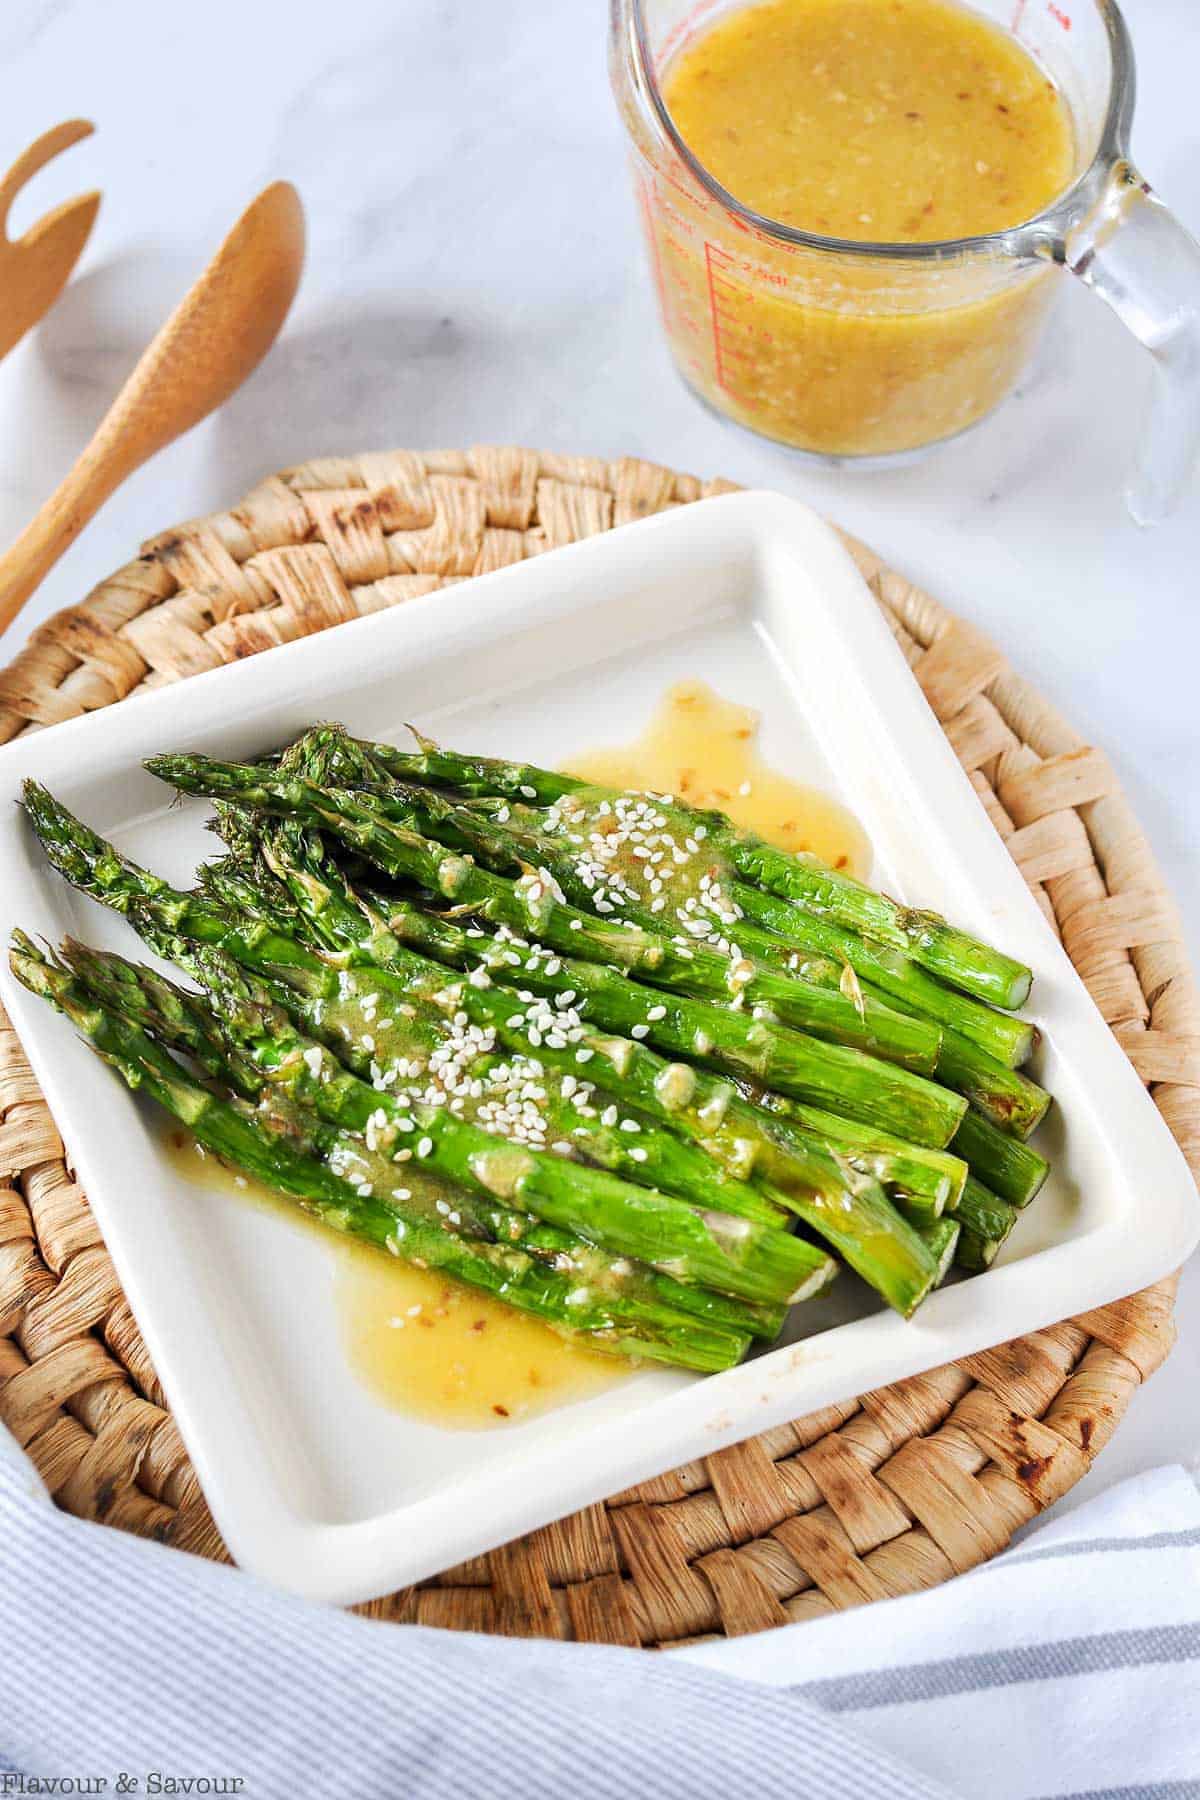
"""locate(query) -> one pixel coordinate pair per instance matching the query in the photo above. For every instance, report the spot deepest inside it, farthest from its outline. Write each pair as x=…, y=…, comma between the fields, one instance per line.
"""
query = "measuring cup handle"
x=1139, y=259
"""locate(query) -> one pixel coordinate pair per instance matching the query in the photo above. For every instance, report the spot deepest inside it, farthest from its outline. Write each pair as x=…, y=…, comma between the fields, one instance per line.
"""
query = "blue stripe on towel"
x=899, y=1685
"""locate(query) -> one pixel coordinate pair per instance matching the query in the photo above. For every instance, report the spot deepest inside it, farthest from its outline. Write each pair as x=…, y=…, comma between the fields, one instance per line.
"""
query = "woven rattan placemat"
x=894, y=1491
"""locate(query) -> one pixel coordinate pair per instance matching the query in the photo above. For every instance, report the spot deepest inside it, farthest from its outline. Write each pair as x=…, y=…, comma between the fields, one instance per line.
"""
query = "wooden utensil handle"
x=54, y=528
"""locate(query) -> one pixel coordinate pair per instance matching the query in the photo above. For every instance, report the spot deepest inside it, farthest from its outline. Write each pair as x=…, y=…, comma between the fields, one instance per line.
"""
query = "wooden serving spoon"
x=34, y=268
x=217, y=335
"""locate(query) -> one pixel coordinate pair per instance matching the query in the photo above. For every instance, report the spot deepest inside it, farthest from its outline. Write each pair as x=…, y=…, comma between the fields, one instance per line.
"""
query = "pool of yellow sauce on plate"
x=434, y=1348
x=704, y=750
x=447, y=1353
x=426, y=1346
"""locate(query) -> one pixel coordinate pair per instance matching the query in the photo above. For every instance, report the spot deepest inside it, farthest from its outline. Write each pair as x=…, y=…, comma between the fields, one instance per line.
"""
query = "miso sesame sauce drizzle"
x=700, y=751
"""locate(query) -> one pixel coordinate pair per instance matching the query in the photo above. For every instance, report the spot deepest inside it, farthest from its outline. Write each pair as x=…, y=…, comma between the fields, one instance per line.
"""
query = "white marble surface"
x=475, y=274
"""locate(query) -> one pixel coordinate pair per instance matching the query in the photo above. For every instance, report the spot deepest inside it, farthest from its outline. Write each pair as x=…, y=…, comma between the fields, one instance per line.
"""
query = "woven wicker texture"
x=894, y=1491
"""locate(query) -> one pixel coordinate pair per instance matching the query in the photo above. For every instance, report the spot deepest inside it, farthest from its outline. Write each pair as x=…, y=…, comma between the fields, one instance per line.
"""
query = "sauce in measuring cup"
x=885, y=122
x=878, y=120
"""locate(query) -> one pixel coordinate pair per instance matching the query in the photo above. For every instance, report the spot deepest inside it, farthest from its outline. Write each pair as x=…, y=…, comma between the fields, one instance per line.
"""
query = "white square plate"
x=314, y=1484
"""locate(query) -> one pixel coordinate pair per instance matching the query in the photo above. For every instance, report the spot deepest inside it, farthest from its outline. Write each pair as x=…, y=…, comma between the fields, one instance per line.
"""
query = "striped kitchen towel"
x=1068, y=1667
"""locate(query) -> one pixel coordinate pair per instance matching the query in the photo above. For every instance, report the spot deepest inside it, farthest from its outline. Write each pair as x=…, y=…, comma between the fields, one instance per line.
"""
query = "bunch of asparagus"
x=615, y=1061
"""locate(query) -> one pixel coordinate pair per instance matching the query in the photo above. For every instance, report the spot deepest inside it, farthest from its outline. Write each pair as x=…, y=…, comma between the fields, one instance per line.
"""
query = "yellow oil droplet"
x=704, y=750
x=422, y=1343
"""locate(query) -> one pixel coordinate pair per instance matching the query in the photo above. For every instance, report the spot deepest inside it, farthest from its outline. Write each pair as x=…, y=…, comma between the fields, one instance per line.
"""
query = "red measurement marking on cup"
x=1058, y=14
x=713, y=261
x=728, y=300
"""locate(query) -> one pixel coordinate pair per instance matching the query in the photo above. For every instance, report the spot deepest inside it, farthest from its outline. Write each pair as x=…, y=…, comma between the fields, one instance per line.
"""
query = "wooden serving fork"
x=34, y=268
x=217, y=335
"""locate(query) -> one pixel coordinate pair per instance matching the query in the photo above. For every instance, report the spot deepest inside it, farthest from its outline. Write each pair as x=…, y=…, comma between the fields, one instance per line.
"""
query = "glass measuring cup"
x=866, y=351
